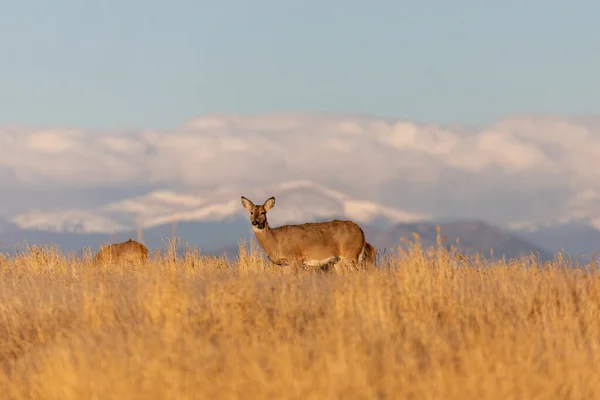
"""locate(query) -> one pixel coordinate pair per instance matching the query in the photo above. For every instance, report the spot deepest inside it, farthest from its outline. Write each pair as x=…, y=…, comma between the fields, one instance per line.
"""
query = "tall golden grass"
x=427, y=324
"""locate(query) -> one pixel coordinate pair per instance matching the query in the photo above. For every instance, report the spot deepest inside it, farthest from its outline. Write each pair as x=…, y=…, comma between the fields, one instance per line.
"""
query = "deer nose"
x=254, y=222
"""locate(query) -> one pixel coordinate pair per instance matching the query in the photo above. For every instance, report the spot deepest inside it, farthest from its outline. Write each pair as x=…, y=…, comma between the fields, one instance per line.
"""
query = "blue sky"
x=125, y=64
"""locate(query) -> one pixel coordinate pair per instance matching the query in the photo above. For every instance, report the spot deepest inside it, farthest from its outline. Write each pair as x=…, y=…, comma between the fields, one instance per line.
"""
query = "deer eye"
x=263, y=213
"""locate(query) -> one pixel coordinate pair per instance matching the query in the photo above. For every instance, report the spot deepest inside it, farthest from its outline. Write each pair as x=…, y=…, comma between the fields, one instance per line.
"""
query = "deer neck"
x=266, y=238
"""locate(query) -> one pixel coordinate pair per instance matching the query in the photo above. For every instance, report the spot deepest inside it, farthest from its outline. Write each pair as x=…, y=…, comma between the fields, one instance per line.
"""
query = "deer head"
x=258, y=214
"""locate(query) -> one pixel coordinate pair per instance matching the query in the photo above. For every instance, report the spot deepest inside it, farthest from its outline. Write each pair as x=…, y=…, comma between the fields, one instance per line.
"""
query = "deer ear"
x=270, y=203
x=247, y=204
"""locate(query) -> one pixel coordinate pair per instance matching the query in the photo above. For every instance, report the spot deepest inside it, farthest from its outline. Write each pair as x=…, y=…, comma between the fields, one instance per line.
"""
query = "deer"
x=129, y=251
x=337, y=243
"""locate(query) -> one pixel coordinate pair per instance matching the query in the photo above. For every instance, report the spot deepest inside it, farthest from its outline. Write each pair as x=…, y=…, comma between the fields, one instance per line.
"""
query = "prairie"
x=427, y=324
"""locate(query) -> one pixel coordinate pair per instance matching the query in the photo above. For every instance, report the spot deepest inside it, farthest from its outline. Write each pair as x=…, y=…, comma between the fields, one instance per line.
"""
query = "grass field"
x=425, y=325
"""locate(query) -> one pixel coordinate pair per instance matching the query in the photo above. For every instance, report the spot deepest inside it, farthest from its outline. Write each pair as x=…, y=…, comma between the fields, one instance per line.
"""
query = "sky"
x=112, y=65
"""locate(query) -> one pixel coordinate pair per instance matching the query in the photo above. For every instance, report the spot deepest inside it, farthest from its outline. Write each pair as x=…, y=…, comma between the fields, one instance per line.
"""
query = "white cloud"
x=123, y=145
x=507, y=151
x=54, y=141
x=66, y=220
x=500, y=168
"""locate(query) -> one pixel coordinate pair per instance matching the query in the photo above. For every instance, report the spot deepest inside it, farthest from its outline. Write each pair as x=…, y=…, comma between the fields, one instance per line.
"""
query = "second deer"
x=130, y=252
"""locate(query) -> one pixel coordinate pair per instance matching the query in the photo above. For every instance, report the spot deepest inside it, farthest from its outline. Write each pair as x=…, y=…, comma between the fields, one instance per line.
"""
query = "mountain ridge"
x=217, y=237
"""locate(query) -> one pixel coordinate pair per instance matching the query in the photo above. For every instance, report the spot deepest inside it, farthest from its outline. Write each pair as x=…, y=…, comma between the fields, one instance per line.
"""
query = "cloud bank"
x=518, y=171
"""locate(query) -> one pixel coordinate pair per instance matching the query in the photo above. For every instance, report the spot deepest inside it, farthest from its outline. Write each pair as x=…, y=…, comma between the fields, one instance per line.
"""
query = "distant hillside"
x=219, y=237
x=474, y=235
x=574, y=238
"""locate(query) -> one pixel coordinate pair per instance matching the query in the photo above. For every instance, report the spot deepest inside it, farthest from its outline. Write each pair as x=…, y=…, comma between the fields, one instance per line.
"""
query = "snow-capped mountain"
x=296, y=201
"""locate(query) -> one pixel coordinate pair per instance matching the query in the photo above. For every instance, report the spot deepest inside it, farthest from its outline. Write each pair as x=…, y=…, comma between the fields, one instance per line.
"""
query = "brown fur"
x=317, y=244
x=129, y=251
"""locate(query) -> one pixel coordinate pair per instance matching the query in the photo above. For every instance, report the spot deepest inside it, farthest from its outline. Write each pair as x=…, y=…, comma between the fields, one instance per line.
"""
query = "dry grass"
x=424, y=326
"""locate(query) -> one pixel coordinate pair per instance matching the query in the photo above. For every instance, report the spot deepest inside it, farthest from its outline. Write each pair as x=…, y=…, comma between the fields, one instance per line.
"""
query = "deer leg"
x=328, y=266
x=341, y=265
x=349, y=265
x=291, y=266
x=369, y=265
x=290, y=269
x=363, y=265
